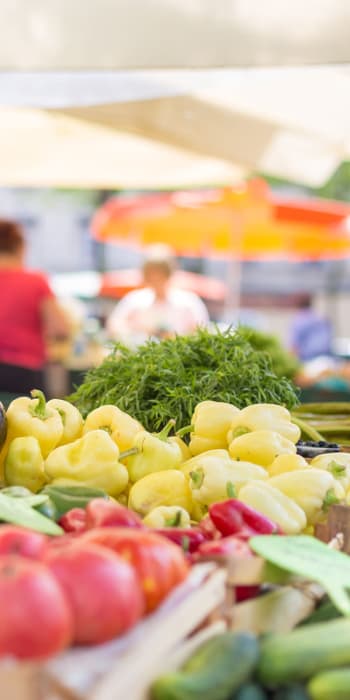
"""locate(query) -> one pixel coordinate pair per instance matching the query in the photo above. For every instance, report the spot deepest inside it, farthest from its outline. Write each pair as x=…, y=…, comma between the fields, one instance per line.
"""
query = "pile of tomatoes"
x=82, y=589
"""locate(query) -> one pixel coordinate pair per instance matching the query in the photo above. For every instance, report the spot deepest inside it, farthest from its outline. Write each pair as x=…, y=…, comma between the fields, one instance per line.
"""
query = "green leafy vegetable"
x=166, y=379
x=65, y=498
x=19, y=512
x=283, y=362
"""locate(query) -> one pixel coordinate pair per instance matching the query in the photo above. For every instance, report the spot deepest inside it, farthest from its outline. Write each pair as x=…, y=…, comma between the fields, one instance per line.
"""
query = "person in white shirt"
x=159, y=309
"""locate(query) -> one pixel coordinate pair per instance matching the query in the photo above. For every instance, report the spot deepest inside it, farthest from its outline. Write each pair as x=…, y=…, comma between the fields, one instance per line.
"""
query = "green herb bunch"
x=166, y=379
x=284, y=363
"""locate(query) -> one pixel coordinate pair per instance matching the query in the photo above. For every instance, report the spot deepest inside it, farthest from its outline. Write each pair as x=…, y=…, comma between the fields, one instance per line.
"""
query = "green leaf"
x=19, y=512
x=65, y=498
x=310, y=558
x=31, y=499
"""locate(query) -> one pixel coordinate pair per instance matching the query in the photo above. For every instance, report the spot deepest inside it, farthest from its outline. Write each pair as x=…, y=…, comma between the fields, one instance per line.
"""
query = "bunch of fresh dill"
x=166, y=379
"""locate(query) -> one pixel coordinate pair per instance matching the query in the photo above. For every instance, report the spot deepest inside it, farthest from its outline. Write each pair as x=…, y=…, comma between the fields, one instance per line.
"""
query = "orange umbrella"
x=246, y=223
x=117, y=284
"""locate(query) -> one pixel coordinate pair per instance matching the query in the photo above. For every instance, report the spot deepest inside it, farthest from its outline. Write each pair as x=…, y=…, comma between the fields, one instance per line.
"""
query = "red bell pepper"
x=208, y=528
x=246, y=593
x=187, y=538
x=74, y=521
x=227, y=546
x=102, y=513
x=233, y=517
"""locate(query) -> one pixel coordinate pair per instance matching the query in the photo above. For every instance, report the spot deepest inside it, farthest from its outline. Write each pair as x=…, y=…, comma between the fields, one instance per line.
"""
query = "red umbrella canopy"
x=246, y=223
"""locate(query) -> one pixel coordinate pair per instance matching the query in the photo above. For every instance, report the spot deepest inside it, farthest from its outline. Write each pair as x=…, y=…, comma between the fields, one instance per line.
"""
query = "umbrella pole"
x=234, y=272
x=233, y=295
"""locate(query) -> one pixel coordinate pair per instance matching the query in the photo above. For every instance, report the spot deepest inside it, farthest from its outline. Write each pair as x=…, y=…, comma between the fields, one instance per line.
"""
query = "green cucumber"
x=326, y=611
x=291, y=692
x=250, y=691
x=303, y=652
x=214, y=672
x=330, y=685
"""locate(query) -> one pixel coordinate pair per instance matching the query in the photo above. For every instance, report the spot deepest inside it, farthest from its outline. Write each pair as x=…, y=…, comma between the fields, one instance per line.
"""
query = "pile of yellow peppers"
x=249, y=454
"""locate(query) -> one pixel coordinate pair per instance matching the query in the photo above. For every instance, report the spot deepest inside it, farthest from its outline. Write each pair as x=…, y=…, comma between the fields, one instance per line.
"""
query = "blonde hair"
x=159, y=257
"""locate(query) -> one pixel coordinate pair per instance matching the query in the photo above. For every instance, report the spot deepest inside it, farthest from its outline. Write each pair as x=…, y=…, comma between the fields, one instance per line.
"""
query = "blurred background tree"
x=337, y=187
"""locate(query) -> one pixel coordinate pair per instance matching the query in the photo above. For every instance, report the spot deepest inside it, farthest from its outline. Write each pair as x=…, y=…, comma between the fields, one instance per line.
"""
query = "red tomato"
x=62, y=540
x=36, y=621
x=159, y=563
x=102, y=590
x=102, y=513
x=18, y=540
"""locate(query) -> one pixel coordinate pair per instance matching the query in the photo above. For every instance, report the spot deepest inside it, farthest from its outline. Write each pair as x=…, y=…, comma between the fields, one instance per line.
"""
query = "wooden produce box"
x=124, y=668
x=338, y=524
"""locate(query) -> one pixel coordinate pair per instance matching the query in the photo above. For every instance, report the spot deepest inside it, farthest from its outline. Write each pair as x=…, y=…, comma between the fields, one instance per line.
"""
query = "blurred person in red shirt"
x=29, y=316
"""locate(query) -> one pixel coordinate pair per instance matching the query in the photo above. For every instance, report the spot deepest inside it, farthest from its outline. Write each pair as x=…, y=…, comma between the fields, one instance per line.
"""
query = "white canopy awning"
x=290, y=123
x=172, y=128
x=42, y=149
x=153, y=34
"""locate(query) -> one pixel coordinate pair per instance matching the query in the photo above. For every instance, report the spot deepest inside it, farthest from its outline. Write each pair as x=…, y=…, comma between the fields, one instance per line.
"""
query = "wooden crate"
x=338, y=523
x=124, y=668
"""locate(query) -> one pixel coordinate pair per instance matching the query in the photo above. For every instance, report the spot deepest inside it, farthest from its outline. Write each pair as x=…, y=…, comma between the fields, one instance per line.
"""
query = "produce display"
x=53, y=462
x=104, y=513
x=248, y=454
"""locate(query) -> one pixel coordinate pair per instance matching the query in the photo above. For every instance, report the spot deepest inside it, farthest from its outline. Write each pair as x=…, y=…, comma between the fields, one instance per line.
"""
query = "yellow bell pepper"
x=164, y=488
x=124, y=496
x=260, y=447
x=167, y=516
x=3, y=455
x=24, y=465
x=185, y=450
x=214, y=479
x=121, y=427
x=210, y=423
x=312, y=489
x=72, y=420
x=154, y=452
x=338, y=464
x=264, y=416
x=269, y=501
x=287, y=463
x=201, y=460
x=32, y=417
x=198, y=512
x=93, y=460
x=63, y=481
x=123, y=499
